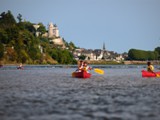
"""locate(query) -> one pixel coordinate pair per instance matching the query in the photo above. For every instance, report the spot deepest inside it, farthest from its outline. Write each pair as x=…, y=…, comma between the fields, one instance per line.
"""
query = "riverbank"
x=133, y=62
x=95, y=62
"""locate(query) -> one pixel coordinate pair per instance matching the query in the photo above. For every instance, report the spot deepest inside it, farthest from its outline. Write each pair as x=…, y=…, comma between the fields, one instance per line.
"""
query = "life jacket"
x=80, y=68
x=150, y=68
x=86, y=68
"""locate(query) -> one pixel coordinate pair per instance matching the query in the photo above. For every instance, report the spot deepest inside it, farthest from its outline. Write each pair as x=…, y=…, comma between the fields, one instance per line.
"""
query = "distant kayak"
x=82, y=74
x=1, y=66
x=21, y=68
x=150, y=74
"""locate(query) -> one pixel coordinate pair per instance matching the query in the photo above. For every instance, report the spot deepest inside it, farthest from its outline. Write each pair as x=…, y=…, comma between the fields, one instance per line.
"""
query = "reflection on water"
x=49, y=92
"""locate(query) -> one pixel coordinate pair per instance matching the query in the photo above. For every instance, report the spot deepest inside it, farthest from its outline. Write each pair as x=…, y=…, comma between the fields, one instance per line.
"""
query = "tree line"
x=135, y=54
x=19, y=44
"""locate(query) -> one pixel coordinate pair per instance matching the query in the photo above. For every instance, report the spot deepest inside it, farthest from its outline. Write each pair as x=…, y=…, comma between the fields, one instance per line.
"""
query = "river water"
x=50, y=93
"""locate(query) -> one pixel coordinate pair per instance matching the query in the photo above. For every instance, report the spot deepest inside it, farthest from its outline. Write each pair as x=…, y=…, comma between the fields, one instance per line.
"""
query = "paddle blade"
x=99, y=71
x=73, y=74
x=157, y=75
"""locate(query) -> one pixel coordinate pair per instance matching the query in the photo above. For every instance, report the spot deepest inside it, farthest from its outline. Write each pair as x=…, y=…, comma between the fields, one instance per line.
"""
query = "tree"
x=19, y=17
x=3, y=36
x=7, y=20
x=1, y=50
x=41, y=28
x=11, y=54
x=23, y=56
x=135, y=54
x=157, y=49
x=34, y=53
x=54, y=54
x=82, y=57
x=62, y=56
x=13, y=33
x=71, y=46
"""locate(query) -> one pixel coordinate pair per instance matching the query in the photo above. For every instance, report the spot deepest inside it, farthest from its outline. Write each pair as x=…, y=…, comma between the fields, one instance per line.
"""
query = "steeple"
x=104, y=48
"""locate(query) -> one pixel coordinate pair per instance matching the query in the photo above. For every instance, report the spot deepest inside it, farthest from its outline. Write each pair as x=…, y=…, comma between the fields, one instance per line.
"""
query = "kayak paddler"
x=150, y=67
x=86, y=67
x=80, y=66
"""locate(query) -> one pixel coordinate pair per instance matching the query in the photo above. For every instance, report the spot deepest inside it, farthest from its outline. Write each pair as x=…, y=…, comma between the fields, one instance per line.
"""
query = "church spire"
x=104, y=48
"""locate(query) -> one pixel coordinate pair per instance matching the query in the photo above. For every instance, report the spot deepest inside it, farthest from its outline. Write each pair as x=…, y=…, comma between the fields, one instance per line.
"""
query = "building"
x=53, y=34
x=53, y=31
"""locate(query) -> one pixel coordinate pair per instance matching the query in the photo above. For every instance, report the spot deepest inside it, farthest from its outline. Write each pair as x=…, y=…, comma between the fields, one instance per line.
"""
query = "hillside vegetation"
x=19, y=44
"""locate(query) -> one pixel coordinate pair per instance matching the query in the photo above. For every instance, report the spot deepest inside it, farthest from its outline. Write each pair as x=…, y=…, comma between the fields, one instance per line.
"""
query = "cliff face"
x=58, y=41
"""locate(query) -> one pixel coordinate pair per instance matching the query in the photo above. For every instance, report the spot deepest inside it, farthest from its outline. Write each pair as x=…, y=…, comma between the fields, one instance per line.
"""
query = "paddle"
x=99, y=71
x=157, y=75
x=73, y=74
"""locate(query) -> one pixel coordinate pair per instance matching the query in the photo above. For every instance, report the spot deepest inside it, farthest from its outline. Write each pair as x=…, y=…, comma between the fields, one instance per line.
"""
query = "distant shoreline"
x=101, y=62
x=127, y=62
x=156, y=62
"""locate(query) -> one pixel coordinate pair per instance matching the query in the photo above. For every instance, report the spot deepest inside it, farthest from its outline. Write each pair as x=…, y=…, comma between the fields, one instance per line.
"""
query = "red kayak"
x=82, y=74
x=150, y=74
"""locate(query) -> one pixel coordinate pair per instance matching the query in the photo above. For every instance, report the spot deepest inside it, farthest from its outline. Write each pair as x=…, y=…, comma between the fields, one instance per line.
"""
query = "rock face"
x=58, y=41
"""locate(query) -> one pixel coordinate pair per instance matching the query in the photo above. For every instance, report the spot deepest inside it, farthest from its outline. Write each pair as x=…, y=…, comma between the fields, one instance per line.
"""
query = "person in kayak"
x=86, y=67
x=150, y=67
x=80, y=66
x=20, y=66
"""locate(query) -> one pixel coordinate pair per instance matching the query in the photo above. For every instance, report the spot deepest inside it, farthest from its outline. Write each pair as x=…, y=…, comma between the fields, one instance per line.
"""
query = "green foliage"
x=23, y=56
x=11, y=54
x=34, y=53
x=3, y=36
x=135, y=54
x=41, y=28
x=7, y=20
x=157, y=49
x=21, y=44
x=82, y=57
x=1, y=50
x=62, y=56
x=19, y=17
x=12, y=33
x=69, y=45
x=26, y=26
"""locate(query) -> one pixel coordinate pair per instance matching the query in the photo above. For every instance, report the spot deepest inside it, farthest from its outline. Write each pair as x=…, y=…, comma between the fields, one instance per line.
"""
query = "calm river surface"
x=50, y=93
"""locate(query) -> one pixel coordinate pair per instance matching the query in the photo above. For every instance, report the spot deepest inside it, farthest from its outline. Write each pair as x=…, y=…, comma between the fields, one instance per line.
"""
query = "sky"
x=120, y=24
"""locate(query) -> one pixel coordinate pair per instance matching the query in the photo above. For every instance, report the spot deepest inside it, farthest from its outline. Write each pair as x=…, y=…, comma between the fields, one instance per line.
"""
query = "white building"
x=53, y=31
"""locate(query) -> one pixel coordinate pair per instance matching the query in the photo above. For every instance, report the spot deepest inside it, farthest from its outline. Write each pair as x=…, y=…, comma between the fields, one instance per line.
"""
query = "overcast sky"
x=120, y=24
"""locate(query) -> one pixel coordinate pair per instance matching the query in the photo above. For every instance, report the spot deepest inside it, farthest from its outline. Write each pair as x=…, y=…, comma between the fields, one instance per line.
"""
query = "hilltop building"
x=53, y=31
x=53, y=35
